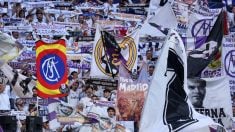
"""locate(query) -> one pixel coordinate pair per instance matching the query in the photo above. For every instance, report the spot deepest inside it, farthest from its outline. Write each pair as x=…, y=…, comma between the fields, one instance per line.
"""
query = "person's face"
x=111, y=113
x=39, y=16
x=29, y=36
x=196, y=93
x=106, y=94
x=75, y=86
x=151, y=70
x=35, y=93
x=75, y=75
x=15, y=35
x=30, y=18
x=149, y=55
x=2, y=87
x=89, y=92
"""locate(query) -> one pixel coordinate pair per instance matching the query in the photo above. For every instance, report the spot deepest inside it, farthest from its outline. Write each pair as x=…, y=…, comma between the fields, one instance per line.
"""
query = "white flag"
x=167, y=107
x=109, y=52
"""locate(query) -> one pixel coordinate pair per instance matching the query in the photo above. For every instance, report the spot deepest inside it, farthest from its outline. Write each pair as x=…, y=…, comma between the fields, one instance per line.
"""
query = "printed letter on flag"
x=51, y=68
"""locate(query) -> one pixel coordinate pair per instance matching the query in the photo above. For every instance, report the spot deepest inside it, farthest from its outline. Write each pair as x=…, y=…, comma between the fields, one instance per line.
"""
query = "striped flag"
x=51, y=68
x=167, y=107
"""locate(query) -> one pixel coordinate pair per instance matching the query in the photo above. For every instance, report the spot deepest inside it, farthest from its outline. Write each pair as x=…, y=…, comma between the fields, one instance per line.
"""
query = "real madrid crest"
x=110, y=59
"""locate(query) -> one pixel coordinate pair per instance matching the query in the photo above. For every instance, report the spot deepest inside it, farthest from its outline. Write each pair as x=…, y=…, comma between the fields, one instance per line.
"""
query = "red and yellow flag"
x=51, y=69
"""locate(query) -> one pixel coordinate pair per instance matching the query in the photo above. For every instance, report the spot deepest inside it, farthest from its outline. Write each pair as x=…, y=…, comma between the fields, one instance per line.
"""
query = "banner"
x=21, y=84
x=126, y=17
x=51, y=69
x=111, y=84
x=44, y=29
x=38, y=4
x=204, y=53
x=10, y=49
x=164, y=16
x=131, y=94
x=12, y=20
x=65, y=13
x=167, y=107
x=109, y=52
x=211, y=97
x=181, y=11
x=228, y=64
x=20, y=29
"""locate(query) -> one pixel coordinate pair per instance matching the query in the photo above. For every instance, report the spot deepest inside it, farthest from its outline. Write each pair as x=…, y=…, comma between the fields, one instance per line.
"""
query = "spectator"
x=35, y=92
x=106, y=95
x=4, y=95
x=73, y=96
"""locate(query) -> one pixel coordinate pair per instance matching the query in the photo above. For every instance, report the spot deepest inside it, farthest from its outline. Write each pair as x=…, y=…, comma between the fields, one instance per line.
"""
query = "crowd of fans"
x=19, y=19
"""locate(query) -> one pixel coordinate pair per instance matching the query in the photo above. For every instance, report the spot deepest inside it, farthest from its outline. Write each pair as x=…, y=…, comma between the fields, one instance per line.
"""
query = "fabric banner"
x=111, y=84
x=126, y=17
x=61, y=113
x=27, y=43
x=164, y=16
x=51, y=64
x=44, y=29
x=38, y=4
x=229, y=65
x=21, y=84
x=181, y=11
x=62, y=12
x=131, y=94
x=21, y=29
x=109, y=52
x=204, y=54
x=10, y=49
x=12, y=20
x=211, y=97
x=167, y=107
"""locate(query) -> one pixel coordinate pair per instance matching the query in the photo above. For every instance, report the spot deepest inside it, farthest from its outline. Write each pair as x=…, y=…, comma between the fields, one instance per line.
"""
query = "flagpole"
x=105, y=54
x=37, y=106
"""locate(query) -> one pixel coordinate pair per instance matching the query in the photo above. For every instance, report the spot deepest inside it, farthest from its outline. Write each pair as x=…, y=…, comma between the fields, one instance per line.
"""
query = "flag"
x=167, y=107
x=199, y=58
x=51, y=68
x=9, y=48
x=110, y=46
x=131, y=93
x=212, y=99
x=109, y=53
x=164, y=16
x=22, y=85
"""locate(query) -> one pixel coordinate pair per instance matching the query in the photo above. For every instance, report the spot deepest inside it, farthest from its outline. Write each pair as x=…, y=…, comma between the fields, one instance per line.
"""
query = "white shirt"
x=87, y=103
x=73, y=98
x=4, y=99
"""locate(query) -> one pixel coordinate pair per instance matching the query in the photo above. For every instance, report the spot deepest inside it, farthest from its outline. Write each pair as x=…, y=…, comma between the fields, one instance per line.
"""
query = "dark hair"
x=34, y=88
x=73, y=72
x=111, y=108
x=107, y=90
x=198, y=80
x=38, y=11
x=89, y=86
